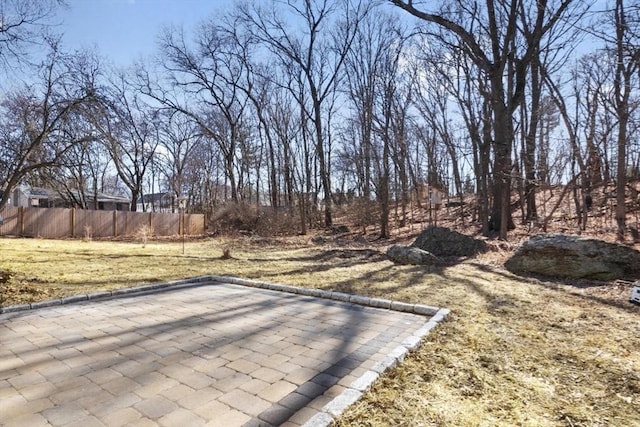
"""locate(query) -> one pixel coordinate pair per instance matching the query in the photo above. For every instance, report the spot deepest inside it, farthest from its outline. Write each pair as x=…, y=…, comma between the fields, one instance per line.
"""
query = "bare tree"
x=203, y=82
x=22, y=26
x=627, y=53
x=81, y=172
x=260, y=90
x=390, y=120
x=33, y=123
x=129, y=128
x=290, y=134
x=378, y=35
x=466, y=85
x=435, y=109
x=490, y=36
x=374, y=38
x=78, y=175
x=318, y=53
x=258, y=83
x=550, y=50
x=202, y=176
x=179, y=137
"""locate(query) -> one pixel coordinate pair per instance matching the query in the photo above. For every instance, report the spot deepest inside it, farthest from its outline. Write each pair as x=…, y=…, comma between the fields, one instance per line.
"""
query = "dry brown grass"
x=514, y=351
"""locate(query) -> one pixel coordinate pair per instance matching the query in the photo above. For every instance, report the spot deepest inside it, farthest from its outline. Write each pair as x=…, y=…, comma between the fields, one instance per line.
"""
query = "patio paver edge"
x=419, y=309
x=334, y=408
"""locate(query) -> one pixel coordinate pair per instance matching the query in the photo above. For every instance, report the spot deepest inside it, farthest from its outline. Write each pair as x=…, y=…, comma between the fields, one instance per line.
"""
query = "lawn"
x=514, y=351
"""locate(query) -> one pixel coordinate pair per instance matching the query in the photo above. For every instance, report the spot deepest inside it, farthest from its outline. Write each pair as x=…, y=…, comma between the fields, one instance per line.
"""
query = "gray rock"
x=561, y=255
x=339, y=229
x=361, y=240
x=412, y=256
x=319, y=240
x=444, y=242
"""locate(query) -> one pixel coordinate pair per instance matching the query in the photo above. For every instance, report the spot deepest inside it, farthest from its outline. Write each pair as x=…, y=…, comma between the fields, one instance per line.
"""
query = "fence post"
x=115, y=223
x=21, y=220
x=186, y=224
x=73, y=222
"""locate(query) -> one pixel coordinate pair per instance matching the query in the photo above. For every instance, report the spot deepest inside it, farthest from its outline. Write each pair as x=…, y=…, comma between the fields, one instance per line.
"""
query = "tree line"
x=301, y=105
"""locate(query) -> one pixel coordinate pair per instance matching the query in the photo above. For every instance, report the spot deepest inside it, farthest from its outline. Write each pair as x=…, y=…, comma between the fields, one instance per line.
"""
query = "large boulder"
x=444, y=242
x=562, y=255
x=412, y=256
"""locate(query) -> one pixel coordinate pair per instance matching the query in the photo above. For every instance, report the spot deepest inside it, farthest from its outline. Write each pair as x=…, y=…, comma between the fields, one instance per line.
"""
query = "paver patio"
x=206, y=353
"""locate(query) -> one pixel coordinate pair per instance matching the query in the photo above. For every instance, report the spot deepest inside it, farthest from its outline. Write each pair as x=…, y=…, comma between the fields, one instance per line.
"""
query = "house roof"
x=104, y=197
x=154, y=197
x=40, y=193
x=49, y=194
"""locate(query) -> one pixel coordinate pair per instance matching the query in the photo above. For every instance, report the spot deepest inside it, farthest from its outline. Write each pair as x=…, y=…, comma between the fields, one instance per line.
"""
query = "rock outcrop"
x=561, y=255
x=412, y=256
x=444, y=242
x=433, y=244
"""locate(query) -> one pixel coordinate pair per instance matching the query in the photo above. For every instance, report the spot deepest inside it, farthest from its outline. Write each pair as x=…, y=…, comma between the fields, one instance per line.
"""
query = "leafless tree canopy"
x=295, y=109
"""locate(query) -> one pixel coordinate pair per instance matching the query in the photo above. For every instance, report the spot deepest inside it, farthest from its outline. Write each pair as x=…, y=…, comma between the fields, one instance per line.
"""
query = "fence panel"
x=165, y=224
x=53, y=223
x=93, y=223
x=131, y=223
x=56, y=223
x=193, y=224
x=10, y=222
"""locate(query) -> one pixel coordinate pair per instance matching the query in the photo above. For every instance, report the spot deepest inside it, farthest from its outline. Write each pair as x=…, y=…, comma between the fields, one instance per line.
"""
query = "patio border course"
x=420, y=309
x=102, y=294
x=352, y=393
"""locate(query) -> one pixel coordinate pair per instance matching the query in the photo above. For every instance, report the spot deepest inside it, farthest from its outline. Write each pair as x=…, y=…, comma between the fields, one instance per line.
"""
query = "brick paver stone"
x=205, y=353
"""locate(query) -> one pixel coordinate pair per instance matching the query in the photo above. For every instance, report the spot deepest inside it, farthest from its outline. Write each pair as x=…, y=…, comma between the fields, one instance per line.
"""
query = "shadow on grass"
x=565, y=286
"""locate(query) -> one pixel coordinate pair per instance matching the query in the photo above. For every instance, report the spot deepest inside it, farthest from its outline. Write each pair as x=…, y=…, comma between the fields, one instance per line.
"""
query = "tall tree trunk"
x=501, y=219
x=325, y=179
x=384, y=191
x=529, y=155
x=622, y=89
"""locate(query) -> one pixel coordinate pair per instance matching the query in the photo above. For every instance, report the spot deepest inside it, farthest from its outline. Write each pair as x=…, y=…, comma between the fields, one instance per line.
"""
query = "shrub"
x=362, y=213
x=144, y=233
x=226, y=253
x=88, y=234
x=277, y=222
x=233, y=218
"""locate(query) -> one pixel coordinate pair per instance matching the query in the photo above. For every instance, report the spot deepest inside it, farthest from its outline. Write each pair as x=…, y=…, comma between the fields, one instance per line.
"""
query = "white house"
x=27, y=196
x=157, y=202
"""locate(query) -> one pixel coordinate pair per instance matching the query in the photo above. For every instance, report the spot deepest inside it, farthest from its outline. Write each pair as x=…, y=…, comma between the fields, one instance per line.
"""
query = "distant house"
x=110, y=202
x=28, y=196
x=157, y=202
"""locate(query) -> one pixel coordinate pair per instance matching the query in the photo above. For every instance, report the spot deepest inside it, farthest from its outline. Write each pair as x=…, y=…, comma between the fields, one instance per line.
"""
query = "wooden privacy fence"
x=56, y=223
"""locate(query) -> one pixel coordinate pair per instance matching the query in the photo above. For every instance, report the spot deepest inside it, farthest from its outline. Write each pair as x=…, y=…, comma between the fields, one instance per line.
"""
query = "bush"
x=233, y=218
x=277, y=222
x=144, y=233
x=362, y=213
x=88, y=234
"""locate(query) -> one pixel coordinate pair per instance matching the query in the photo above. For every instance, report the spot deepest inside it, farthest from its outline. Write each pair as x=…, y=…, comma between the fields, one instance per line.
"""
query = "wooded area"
x=300, y=106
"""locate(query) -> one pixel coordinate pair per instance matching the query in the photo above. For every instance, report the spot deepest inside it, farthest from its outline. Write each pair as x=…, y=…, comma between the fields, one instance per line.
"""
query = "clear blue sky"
x=123, y=30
